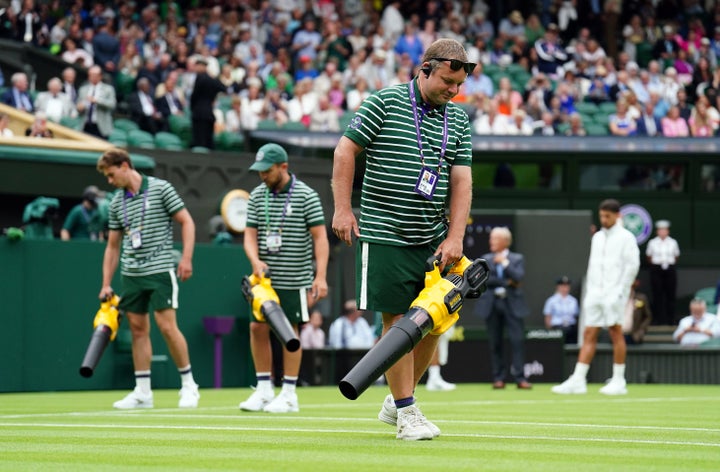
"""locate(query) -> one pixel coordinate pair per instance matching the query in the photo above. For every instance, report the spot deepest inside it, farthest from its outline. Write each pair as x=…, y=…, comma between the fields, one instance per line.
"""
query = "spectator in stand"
x=673, y=125
x=511, y=27
x=683, y=67
x=149, y=71
x=534, y=30
x=5, y=132
x=545, y=126
x=351, y=330
x=321, y=84
x=276, y=107
x=337, y=92
x=357, y=94
x=106, y=47
x=376, y=70
x=74, y=55
x=312, y=335
x=306, y=69
x=700, y=123
x=634, y=35
x=68, y=86
x=17, y=96
x=551, y=54
x=648, y=124
x=54, y=103
x=238, y=119
x=205, y=90
x=336, y=47
x=130, y=61
x=169, y=98
x=324, y=117
x=576, y=126
x=620, y=123
x=638, y=316
x=96, y=104
x=307, y=41
x=38, y=128
x=508, y=100
x=478, y=85
x=666, y=48
x=253, y=103
x=392, y=20
x=698, y=327
x=143, y=110
x=409, y=43
x=683, y=105
x=561, y=310
x=479, y=27
x=304, y=101
x=519, y=124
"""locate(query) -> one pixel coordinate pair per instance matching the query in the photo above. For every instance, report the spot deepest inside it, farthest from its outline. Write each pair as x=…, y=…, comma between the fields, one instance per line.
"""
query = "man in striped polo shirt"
x=140, y=219
x=418, y=157
x=285, y=229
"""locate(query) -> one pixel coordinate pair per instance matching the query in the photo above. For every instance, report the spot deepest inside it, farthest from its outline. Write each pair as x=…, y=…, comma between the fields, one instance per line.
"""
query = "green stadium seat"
x=125, y=124
x=141, y=139
x=607, y=107
x=72, y=122
x=294, y=126
x=124, y=84
x=707, y=294
x=267, y=125
x=224, y=102
x=168, y=141
x=181, y=126
x=229, y=141
x=200, y=149
x=586, y=108
x=595, y=129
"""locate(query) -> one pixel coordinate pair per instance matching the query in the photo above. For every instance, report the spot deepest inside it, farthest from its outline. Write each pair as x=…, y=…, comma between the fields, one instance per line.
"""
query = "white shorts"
x=600, y=315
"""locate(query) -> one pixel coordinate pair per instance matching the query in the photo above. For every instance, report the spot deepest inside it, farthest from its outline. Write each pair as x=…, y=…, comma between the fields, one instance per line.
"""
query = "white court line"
x=356, y=432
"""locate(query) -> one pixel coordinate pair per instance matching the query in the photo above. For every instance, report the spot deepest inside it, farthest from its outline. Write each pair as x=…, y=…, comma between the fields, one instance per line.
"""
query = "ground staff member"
x=418, y=157
x=285, y=225
x=140, y=218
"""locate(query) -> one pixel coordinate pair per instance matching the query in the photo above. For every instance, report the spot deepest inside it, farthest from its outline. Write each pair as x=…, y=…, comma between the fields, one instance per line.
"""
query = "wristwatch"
x=233, y=209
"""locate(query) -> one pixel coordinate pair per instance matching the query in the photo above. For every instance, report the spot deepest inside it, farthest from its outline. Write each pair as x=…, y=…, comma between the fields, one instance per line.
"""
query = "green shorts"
x=388, y=278
x=139, y=293
x=294, y=304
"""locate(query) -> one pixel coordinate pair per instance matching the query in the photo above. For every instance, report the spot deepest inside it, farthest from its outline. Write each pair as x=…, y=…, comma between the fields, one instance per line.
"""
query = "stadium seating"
x=118, y=137
x=72, y=122
x=708, y=294
x=596, y=129
x=168, y=141
x=229, y=141
x=141, y=139
x=181, y=126
x=125, y=124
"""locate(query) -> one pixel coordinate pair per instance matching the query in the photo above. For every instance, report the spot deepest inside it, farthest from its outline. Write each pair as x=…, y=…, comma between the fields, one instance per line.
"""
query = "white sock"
x=434, y=373
x=264, y=384
x=619, y=371
x=186, y=376
x=289, y=384
x=581, y=370
x=142, y=380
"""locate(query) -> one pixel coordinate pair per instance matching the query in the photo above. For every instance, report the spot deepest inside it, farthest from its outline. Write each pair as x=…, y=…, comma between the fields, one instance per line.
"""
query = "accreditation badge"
x=274, y=242
x=426, y=183
x=135, y=238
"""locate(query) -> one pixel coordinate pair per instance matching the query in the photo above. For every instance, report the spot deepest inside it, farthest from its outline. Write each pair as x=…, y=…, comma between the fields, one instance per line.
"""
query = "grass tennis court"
x=655, y=427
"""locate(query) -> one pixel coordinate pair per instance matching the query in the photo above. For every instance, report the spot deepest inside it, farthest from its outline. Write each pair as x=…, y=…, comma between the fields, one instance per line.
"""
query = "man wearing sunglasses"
x=415, y=202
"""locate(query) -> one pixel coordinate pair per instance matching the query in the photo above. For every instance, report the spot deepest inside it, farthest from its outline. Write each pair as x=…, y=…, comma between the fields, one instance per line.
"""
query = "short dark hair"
x=113, y=157
x=610, y=205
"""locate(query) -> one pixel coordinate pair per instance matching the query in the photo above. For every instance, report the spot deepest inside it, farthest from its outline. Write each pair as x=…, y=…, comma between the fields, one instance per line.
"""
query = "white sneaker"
x=135, y=399
x=572, y=386
x=411, y=425
x=388, y=414
x=439, y=385
x=258, y=400
x=189, y=396
x=285, y=402
x=615, y=387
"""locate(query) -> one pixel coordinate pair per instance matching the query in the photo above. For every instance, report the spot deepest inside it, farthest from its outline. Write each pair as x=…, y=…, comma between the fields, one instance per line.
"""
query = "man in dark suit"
x=201, y=105
x=106, y=47
x=17, y=96
x=143, y=110
x=503, y=304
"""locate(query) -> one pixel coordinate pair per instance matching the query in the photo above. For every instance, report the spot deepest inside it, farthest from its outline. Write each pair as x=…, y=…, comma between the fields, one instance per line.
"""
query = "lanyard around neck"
x=126, y=220
x=285, y=206
x=413, y=101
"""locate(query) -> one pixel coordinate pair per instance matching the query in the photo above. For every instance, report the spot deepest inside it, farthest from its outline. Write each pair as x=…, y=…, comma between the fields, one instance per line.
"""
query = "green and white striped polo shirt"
x=292, y=267
x=126, y=214
x=391, y=212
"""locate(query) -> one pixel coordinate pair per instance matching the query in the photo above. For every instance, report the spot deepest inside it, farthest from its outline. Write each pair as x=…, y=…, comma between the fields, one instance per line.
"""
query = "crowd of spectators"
x=544, y=68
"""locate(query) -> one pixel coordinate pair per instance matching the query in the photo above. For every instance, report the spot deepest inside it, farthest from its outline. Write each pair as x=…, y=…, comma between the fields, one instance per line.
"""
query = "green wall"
x=48, y=299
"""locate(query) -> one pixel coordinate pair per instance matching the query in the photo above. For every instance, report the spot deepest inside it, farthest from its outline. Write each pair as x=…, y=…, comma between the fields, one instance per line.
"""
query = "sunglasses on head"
x=456, y=64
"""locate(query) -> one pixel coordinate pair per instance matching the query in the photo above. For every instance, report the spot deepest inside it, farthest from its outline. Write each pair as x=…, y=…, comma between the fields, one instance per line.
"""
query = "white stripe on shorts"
x=304, y=316
x=175, y=290
x=364, y=250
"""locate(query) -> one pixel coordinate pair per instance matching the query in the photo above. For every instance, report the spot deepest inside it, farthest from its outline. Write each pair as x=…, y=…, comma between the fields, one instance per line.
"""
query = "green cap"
x=269, y=155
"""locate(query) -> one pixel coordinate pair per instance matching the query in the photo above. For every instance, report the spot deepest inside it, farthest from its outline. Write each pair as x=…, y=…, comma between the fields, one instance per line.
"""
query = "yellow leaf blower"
x=434, y=311
x=106, y=323
x=266, y=308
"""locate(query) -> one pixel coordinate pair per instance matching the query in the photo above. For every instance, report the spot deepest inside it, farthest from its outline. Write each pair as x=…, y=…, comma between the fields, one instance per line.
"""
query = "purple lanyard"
x=285, y=207
x=413, y=101
x=126, y=220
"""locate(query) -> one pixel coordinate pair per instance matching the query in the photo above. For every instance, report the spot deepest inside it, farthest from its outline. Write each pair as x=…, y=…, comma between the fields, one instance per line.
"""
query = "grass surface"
x=655, y=427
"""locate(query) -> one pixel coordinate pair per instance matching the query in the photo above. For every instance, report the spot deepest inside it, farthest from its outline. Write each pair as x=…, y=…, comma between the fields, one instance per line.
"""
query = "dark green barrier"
x=48, y=299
